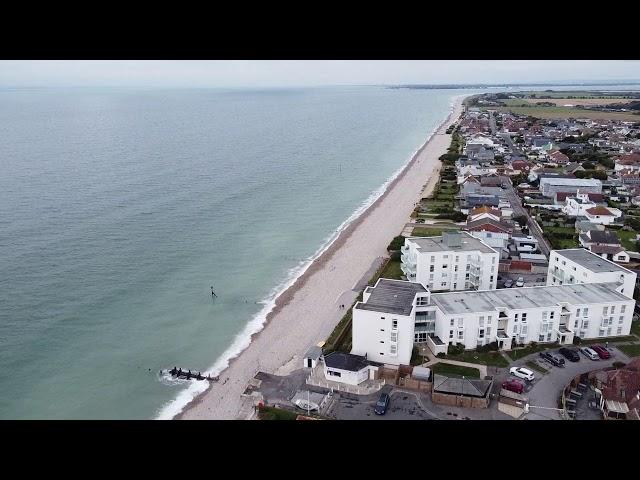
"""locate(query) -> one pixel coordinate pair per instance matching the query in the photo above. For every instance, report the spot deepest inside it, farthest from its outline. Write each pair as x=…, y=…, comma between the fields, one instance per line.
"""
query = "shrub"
x=396, y=243
x=576, y=340
x=453, y=215
x=617, y=365
x=441, y=355
x=456, y=349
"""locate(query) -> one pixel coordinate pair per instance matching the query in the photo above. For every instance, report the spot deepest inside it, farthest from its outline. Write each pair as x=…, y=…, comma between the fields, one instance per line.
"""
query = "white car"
x=520, y=282
x=590, y=354
x=523, y=373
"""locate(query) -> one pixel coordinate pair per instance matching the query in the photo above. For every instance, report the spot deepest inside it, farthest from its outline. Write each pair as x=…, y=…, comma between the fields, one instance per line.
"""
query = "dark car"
x=602, y=352
x=513, y=386
x=570, y=354
x=553, y=358
x=382, y=404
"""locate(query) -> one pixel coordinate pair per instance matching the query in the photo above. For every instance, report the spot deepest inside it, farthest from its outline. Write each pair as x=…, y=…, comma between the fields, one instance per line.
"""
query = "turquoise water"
x=120, y=208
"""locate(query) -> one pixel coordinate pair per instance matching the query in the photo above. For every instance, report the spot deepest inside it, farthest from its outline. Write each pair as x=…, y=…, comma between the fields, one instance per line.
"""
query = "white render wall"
x=372, y=335
x=450, y=268
x=347, y=376
x=562, y=269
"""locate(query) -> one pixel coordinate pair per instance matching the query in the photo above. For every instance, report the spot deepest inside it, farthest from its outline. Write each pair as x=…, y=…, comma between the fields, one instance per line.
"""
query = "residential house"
x=558, y=157
x=620, y=391
x=602, y=215
x=347, y=368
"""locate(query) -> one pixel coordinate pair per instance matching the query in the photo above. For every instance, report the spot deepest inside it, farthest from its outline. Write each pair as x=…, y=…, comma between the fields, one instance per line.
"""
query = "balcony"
x=404, y=249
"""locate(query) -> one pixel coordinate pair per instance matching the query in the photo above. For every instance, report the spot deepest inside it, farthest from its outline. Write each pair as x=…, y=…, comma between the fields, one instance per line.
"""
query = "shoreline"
x=194, y=408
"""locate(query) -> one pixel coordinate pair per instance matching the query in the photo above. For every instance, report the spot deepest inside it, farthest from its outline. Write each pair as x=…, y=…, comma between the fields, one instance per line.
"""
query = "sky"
x=285, y=73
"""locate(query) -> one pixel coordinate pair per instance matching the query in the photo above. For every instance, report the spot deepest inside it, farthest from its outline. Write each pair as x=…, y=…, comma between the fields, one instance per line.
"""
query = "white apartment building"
x=577, y=206
x=577, y=265
x=394, y=315
x=453, y=261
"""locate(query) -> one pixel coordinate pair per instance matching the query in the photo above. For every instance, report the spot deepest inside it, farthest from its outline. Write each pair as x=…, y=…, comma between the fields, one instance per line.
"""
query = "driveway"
x=546, y=389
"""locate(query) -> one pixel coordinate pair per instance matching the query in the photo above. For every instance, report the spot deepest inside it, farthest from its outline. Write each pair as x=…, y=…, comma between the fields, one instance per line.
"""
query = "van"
x=590, y=354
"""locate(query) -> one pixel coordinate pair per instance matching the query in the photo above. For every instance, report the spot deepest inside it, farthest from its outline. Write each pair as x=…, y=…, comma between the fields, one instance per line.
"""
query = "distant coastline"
x=453, y=86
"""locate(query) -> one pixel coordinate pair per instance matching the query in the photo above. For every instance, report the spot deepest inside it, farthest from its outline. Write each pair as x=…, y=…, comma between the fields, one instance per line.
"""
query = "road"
x=518, y=209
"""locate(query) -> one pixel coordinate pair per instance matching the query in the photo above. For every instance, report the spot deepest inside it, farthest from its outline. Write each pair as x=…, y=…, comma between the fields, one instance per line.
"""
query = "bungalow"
x=573, y=168
x=484, y=212
x=541, y=144
x=599, y=237
x=627, y=162
x=488, y=225
x=615, y=254
x=602, y=215
x=347, y=368
x=558, y=157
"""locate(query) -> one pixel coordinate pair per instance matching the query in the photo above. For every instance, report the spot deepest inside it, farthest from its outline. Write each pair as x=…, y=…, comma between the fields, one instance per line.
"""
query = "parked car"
x=520, y=282
x=513, y=386
x=523, y=373
x=602, y=352
x=590, y=354
x=570, y=354
x=382, y=404
x=554, y=359
x=508, y=283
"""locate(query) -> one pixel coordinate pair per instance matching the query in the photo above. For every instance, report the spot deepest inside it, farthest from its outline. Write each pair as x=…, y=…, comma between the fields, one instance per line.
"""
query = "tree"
x=588, y=166
x=396, y=243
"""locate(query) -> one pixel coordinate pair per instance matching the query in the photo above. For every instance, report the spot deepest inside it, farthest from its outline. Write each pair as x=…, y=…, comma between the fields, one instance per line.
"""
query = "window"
x=422, y=301
x=515, y=318
x=585, y=324
x=382, y=329
x=604, y=310
x=457, y=258
x=393, y=350
x=394, y=336
x=450, y=334
x=549, y=337
x=445, y=256
x=431, y=268
x=585, y=312
x=381, y=341
x=619, y=331
x=613, y=309
x=443, y=284
x=444, y=275
x=551, y=315
x=452, y=322
x=481, y=321
x=544, y=315
x=621, y=319
x=489, y=320
x=623, y=308
x=481, y=333
x=334, y=373
x=460, y=335
x=460, y=322
x=455, y=268
x=523, y=331
x=382, y=318
x=488, y=332
x=524, y=318
x=491, y=279
x=575, y=325
x=394, y=324
x=577, y=312
x=466, y=277
x=444, y=266
x=433, y=259
x=601, y=332
x=455, y=285
x=431, y=276
x=515, y=329
x=541, y=338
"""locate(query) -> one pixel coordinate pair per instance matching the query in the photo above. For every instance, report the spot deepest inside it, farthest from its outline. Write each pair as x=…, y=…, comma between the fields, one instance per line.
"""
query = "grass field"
x=630, y=350
x=429, y=232
x=493, y=359
x=628, y=239
x=577, y=93
x=559, y=243
x=569, y=112
x=455, y=370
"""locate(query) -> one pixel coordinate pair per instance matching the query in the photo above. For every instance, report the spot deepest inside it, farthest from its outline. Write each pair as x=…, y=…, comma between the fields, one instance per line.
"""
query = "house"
x=491, y=181
x=549, y=186
x=312, y=356
x=484, y=212
x=453, y=261
x=461, y=392
x=541, y=144
x=616, y=254
x=629, y=163
x=573, y=168
x=599, y=237
x=558, y=157
x=488, y=225
x=620, y=391
x=576, y=206
x=602, y=215
x=347, y=368
x=577, y=266
x=478, y=200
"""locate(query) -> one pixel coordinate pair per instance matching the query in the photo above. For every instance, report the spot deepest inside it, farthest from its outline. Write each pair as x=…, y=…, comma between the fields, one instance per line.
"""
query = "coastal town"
x=510, y=291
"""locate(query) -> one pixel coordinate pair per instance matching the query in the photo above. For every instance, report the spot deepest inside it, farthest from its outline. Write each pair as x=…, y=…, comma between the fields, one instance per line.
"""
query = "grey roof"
x=604, y=236
x=461, y=386
x=526, y=297
x=588, y=182
x=345, y=361
x=314, y=352
x=392, y=296
x=435, y=244
x=589, y=260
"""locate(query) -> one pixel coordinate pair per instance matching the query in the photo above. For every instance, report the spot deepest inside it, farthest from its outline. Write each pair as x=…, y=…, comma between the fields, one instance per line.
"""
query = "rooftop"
x=345, y=361
x=440, y=244
x=589, y=260
x=392, y=296
x=461, y=386
x=591, y=182
x=526, y=297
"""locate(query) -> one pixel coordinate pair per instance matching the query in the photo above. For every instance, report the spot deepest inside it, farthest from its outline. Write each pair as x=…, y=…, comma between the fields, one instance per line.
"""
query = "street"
x=518, y=209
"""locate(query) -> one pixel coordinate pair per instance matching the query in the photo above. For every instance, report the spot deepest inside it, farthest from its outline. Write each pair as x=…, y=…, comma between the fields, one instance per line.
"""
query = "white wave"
x=243, y=339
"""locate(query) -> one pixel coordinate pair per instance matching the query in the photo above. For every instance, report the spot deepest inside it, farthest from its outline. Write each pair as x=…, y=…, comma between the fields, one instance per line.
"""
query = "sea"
x=122, y=208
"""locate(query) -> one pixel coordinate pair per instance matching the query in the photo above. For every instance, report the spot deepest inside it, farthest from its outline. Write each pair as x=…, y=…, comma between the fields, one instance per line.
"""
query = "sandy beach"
x=307, y=312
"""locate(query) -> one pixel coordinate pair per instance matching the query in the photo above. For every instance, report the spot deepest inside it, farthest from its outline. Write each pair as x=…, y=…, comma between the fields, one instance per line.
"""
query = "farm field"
x=568, y=112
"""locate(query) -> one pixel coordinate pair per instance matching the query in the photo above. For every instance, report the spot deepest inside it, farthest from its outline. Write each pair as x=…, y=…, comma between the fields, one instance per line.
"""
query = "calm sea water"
x=120, y=208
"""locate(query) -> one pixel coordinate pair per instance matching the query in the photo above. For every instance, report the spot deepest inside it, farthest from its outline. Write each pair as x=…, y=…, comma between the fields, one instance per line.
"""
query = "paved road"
x=518, y=209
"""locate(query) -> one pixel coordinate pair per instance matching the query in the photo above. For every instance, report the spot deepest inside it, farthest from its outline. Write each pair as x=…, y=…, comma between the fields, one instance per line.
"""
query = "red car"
x=513, y=386
x=602, y=352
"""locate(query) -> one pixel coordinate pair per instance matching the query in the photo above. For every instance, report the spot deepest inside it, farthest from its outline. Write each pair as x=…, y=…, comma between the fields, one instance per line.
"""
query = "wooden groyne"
x=188, y=375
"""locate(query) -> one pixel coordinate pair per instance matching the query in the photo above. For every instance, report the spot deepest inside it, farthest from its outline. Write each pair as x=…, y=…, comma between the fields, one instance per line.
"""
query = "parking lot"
x=543, y=393
x=530, y=279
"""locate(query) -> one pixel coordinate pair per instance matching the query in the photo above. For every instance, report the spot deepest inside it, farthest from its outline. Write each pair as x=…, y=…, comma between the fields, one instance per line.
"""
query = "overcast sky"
x=274, y=73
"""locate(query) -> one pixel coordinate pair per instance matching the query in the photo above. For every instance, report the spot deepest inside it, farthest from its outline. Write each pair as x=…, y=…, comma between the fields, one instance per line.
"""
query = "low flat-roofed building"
x=549, y=186
x=346, y=368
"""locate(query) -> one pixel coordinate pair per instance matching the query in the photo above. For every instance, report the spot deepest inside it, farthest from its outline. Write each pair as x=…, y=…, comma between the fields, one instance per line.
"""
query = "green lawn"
x=627, y=239
x=392, y=270
x=493, y=359
x=593, y=341
x=427, y=232
x=455, y=370
x=558, y=242
x=630, y=350
x=272, y=413
x=529, y=349
x=535, y=366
